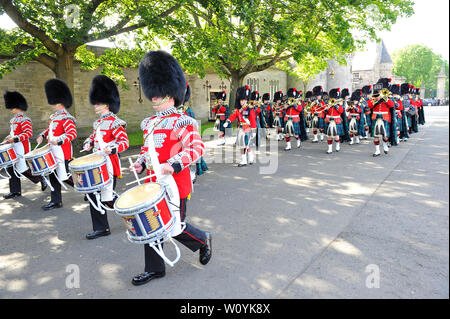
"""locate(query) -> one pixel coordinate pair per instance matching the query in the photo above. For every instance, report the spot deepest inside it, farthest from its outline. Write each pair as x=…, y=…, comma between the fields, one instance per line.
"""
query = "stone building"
x=372, y=64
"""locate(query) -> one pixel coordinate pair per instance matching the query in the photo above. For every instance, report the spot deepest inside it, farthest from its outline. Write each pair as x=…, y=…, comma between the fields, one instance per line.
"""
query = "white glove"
x=226, y=124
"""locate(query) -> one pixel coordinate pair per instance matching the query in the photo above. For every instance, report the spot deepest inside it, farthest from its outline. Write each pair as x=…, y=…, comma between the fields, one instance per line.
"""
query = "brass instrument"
x=385, y=94
x=332, y=101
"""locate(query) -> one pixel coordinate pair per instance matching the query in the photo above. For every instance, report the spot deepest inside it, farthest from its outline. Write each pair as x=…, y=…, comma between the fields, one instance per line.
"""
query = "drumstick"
x=37, y=146
x=134, y=171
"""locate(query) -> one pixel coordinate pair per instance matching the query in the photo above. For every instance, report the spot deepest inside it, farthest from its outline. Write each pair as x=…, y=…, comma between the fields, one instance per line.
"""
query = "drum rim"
x=93, y=189
x=162, y=233
x=137, y=209
x=6, y=147
x=33, y=156
x=87, y=165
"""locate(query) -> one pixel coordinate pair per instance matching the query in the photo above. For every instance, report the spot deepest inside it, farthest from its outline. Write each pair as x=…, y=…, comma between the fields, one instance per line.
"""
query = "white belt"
x=381, y=112
x=220, y=113
x=333, y=117
x=293, y=116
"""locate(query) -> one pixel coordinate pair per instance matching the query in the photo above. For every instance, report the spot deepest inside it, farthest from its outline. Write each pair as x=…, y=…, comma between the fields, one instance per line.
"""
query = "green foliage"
x=235, y=38
x=51, y=29
x=418, y=64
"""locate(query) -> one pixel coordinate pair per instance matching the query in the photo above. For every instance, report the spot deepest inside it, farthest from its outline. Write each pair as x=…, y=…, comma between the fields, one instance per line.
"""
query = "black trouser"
x=191, y=237
x=55, y=195
x=15, y=185
x=99, y=220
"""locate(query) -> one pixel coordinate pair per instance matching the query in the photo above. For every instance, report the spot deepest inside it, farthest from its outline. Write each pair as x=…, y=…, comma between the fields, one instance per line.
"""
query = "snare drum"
x=146, y=213
x=41, y=161
x=8, y=156
x=90, y=173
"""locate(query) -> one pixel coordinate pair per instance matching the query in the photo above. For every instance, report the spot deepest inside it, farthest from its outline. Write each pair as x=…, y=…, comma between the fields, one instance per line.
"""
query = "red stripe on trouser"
x=193, y=237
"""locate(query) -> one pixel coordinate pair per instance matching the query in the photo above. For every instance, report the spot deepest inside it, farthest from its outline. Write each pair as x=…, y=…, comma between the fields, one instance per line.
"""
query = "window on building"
x=253, y=84
x=274, y=86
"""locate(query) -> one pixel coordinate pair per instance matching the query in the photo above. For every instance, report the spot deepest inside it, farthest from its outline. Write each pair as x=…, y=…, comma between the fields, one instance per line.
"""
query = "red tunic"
x=21, y=130
x=294, y=112
x=219, y=110
x=62, y=126
x=246, y=118
x=113, y=133
x=334, y=112
x=177, y=143
x=399, y=108
x=354, y=110
x=382, y=108
x=319, y=108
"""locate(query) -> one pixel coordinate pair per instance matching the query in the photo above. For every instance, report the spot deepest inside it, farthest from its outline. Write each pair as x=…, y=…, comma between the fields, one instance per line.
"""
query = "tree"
x=236, y=37
x=419, y=65
x=51, y=32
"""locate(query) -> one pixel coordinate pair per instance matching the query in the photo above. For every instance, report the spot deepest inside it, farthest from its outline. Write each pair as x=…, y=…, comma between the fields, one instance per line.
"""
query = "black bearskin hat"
x=187, y=95
x=345, y=92
x=308, y=94
x=15, y=100
x=417, y=91
x=266, y=97
x=58, y=92
x=318, y=90
x=385, y=82
x=221, y=95
x=335, y=93
x=377, y=87
x=254, y=96
x=395, y=89
x=278, y=96
x=292, y=93
x=356, y=95
x=367, y=89
x=404, y=88
x=104, y=91
x=242, y=93
x=161, y=75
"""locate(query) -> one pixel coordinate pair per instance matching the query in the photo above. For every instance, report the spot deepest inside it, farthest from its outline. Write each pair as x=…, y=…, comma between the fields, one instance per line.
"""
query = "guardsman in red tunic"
x=333, y=121
x=398, y=104
x=292, y=119
x=381, y=118
x=268, y=114
x=246, y=117
x=354, y=115
x=277, y=109
x=221, y=113
x=109, y=136
x=318, y=114
x=20, y=133
x=60, y=133
x=177, y=143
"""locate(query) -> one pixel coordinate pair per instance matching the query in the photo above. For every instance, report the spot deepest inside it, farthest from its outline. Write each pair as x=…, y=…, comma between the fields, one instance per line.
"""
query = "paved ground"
x=321, y=226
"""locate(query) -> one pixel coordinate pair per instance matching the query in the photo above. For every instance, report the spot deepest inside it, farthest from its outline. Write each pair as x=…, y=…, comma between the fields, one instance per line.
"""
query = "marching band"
x=154, y=211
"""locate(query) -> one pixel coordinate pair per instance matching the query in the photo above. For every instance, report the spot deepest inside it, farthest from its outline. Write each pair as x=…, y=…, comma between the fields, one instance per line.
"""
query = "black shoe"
x=375, y=155
x=98, y=233
x=206, y=250
x=146, y=277
x=11, y=195
x=43, y=185
x=52, y=205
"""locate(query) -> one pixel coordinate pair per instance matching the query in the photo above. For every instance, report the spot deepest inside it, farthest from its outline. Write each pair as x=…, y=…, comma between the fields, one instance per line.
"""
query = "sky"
x=428, y=26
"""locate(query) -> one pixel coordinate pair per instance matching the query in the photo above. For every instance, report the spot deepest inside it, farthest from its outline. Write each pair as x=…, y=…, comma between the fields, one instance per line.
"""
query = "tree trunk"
x=64, y=71
x=235, y=83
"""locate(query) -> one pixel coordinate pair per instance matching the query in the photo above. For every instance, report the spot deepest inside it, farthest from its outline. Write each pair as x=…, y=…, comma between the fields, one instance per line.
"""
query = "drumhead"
x=138, y=195
x=87, y=159
x=40, y=150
